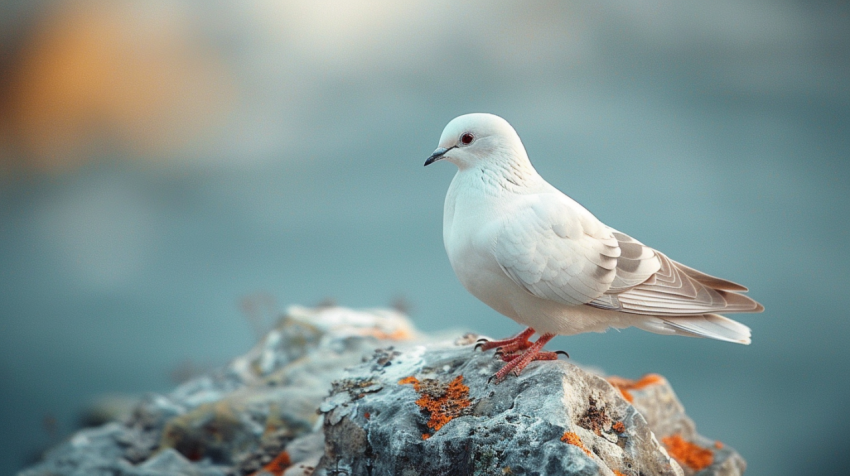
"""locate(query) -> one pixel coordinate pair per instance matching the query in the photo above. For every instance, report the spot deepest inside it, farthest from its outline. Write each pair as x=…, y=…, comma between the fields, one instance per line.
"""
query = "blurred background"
x=173, y=174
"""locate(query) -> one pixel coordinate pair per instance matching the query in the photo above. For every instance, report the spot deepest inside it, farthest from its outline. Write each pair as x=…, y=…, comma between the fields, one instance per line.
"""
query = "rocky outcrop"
x=433, y=411
x=408, y=404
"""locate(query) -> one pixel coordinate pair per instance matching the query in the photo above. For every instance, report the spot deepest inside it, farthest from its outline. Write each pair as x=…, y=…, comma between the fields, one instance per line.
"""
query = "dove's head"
x=478, y=140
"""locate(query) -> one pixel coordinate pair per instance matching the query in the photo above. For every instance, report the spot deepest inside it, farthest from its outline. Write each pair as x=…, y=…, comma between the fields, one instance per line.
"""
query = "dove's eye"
x=467, y=138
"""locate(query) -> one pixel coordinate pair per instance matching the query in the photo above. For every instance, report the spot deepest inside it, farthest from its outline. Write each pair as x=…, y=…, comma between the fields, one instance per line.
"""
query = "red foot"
x=540, y=356
x=516, y=361
x=515, y=343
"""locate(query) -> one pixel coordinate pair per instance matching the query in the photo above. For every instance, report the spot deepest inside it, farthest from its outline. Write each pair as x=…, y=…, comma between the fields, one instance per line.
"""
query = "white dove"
x=535, y=255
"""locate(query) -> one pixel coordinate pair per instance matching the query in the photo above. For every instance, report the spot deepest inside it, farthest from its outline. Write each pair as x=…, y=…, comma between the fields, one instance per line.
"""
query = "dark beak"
x=437, y=155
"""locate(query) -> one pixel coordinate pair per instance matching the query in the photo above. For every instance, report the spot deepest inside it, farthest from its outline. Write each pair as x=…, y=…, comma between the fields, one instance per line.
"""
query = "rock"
x=238, y=419
x=409, y=404
x=107, y=408
x=653, y=397
x=434, y=413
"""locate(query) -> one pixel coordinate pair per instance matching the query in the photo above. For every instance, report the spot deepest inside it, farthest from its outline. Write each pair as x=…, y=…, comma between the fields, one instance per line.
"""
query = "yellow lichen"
x=693, y=456
x=575, y=440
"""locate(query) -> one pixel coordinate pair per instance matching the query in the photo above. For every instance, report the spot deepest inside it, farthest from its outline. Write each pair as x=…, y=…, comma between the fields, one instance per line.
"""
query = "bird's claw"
x=480, y=342
x=563, y=353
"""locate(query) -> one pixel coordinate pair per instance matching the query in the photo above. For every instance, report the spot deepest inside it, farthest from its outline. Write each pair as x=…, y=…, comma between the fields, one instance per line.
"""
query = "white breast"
x=470, y=219
x=471, y=222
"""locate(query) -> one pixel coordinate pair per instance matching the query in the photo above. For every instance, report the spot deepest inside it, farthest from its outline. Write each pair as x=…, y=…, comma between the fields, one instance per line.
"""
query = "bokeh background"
x=175, y=173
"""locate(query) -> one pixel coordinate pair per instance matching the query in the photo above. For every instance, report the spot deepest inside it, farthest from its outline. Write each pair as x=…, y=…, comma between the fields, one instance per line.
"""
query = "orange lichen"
x=398, y=334
x=277, y=466
x=367, y=415
x=624, y=384
x=575, y=440
x=693, y=456
x=617, y=473
x=442, y=402
x=718, y=445
x=619, y=427
x=408, y=380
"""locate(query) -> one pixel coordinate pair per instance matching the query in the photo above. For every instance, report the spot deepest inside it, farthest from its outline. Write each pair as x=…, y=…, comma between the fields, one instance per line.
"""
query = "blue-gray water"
x=720, y=135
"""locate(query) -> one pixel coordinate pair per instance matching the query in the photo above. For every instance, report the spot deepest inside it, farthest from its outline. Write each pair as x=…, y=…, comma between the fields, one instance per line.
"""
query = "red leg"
x=518, y=361
x=517, y=342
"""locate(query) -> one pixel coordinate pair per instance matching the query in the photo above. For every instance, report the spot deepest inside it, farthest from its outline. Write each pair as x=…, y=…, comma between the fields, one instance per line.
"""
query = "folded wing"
x=673, y=289
x=556, y=250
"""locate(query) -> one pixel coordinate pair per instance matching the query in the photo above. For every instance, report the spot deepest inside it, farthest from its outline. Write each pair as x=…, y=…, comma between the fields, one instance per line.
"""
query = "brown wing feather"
x=673, y=289
x=711, y=281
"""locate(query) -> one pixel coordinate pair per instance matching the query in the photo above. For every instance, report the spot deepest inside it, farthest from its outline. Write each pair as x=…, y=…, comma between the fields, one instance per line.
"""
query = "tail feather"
x=713, y=326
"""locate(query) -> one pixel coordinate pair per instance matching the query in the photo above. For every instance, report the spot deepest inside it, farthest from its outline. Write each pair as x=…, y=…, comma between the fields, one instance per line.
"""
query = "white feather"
x=537, y=256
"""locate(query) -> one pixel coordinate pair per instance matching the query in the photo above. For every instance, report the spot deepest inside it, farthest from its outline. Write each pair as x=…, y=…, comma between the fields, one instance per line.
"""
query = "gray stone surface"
x=408, y=404
x=666, y=416
x=514, y=427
